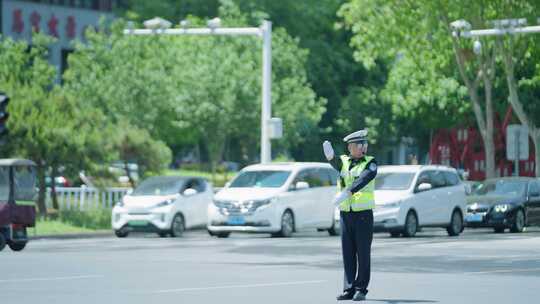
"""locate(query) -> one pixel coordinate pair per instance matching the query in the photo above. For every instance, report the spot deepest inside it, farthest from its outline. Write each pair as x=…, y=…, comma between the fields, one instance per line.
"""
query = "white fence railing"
x=85, y=198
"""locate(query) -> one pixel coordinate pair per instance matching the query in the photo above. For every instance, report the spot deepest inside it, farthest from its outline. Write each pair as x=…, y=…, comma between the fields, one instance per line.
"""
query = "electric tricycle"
x=17, y=202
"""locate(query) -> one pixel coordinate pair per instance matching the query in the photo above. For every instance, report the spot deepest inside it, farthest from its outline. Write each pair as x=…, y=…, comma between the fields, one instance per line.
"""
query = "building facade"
x=66, y=20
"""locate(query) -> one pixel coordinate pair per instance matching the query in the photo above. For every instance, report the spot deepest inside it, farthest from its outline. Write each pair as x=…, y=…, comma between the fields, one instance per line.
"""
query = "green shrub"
x=95, y=218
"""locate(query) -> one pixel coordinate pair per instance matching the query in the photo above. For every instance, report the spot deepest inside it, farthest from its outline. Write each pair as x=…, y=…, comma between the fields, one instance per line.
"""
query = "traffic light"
x=4, y=115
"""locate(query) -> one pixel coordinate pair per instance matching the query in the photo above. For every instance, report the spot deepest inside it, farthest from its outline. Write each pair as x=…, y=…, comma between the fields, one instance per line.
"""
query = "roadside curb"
x=72, y=236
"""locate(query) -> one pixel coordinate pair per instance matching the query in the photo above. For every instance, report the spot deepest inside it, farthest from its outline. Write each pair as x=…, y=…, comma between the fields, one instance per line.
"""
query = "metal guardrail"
x=84, y=198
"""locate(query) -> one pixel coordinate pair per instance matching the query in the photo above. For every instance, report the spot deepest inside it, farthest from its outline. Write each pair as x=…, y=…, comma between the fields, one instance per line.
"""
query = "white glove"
x=341, y=196
x=328, y=150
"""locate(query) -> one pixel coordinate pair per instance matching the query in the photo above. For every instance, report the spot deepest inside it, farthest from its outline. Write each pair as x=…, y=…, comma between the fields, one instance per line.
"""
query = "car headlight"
x=258, y=204
x=164, y=203
x=501, y=208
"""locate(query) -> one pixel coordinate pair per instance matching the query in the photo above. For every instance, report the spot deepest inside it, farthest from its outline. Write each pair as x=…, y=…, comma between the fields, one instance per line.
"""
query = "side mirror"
x=227, y=184
x=189, y=192
x=424, y=187
x=130, y=190
x=301, y=185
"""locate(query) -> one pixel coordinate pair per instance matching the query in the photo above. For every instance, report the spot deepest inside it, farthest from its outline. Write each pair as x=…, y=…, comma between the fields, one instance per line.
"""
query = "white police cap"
x=355, y=137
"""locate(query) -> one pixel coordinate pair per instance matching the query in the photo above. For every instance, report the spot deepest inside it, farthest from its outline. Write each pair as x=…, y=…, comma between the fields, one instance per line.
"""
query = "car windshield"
x=262, y=179
x=159, y=185
x=393, y=181
x=501, y=187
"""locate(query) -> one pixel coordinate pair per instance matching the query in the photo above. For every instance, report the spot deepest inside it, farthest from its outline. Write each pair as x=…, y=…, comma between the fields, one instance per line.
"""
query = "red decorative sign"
x=53, y=26
x=18, y=23
x=35, y=19
x=71, y=27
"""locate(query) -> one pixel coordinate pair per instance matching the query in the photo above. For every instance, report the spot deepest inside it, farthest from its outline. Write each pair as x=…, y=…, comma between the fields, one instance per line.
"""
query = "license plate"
x=474, y=217
x=19, y=234
x=236, y=220
x=138, y=223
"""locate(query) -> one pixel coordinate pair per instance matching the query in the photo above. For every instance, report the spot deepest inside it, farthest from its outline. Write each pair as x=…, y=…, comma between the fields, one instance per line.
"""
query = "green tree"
x=420, y=31
x=327, y=64
x=190, y=89
x=45, y=125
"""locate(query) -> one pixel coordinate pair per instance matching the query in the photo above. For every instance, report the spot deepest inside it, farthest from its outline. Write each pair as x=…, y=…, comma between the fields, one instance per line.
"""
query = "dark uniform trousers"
x=356, y=238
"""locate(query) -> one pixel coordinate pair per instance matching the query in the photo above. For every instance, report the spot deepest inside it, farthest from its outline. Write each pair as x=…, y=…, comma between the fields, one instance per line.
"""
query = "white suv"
x=277, y=198
x=410, y=197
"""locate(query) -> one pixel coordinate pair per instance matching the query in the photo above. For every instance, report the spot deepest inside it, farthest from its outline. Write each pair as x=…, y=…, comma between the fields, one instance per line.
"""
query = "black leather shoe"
x=346, y=295
x=359, y=296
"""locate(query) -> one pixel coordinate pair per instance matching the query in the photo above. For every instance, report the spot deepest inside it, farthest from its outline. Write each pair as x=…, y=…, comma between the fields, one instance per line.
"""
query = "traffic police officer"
x=356, y=201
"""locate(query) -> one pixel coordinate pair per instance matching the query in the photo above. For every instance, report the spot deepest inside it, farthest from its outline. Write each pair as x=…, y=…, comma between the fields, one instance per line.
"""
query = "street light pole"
x=264, y=32
x=266, y=110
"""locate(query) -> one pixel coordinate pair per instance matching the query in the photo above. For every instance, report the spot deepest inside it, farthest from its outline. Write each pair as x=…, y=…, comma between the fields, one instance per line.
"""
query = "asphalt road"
x=477, y=267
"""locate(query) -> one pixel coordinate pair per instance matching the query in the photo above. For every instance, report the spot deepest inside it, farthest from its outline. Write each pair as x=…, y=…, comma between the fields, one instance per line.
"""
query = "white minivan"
x=410, y=197
x=276, y=198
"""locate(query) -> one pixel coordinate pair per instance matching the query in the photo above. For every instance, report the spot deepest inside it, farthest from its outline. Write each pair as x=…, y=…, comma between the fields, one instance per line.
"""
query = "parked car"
x=59, y=181
x=278, y=198
x=166, y=205
x=410, y=197
x=501, y=203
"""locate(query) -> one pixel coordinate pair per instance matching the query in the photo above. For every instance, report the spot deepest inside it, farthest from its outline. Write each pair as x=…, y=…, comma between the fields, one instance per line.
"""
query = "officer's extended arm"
x=367, y=175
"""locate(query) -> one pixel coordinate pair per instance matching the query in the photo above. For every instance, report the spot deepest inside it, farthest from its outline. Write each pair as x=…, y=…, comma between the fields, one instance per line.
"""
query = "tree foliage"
x=189, y=89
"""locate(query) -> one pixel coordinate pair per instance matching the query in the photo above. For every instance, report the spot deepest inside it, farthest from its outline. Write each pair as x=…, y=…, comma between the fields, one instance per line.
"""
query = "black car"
x=510, y=202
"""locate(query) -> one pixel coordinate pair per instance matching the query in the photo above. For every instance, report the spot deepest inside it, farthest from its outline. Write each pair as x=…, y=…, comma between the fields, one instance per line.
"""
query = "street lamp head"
x=460, y=25
x=157, y=24
x=214, y=23
x=184, y=24
x=477, y=47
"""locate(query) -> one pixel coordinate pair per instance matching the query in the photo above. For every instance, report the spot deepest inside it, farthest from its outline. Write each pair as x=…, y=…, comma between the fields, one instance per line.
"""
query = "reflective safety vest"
x=363, y=199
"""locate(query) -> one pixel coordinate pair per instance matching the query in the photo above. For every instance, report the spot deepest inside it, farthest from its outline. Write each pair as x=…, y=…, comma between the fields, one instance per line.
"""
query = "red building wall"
x=463, y=148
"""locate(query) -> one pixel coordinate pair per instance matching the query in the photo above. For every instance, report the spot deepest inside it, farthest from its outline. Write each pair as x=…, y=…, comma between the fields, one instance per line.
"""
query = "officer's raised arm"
x=330, y=155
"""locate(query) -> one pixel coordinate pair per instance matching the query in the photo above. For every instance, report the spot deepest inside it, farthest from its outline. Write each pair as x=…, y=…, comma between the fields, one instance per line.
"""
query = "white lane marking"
x=503, y=271
x=238, y=286
x=52, y=279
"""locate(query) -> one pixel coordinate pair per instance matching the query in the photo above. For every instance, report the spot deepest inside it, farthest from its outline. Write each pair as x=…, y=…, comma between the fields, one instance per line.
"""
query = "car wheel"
x=456, y=224
x=411, y=225
x=334, y=230
x=498, y=229
x=395, y=234
x=17, y=246
x=2, y=241
x=177, y=226
x=122, y=233
x=223, y=235
x=287, y=224
x=519, y=222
